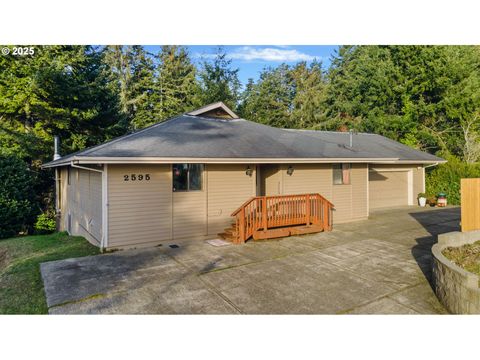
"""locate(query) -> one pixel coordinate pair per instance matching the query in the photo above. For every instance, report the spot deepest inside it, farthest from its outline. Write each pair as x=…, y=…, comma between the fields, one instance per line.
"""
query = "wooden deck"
x=266, y=217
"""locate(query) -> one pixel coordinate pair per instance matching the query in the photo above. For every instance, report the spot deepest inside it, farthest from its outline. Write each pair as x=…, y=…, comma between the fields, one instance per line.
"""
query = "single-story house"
x=184, y=178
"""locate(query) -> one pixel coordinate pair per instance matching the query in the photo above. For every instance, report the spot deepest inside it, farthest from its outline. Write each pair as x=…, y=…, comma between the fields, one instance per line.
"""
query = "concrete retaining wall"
x=457, y=289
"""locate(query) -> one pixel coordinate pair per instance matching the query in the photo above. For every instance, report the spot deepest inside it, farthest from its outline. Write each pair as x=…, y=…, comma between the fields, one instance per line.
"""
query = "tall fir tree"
x=423, y=96
x=269, y=100
x=132, y=72
x=177, y=89
x=60, y=90
x=310, y=94
x=219, y=81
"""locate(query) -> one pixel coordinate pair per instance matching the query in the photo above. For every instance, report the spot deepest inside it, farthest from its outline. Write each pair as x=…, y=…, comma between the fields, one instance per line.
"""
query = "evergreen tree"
x=286, y=96
x=270, y=100
x=132, y=73
x=310, y=93
x=177, y=89
x=219, y=81
x=61, y=90
x=423, y=96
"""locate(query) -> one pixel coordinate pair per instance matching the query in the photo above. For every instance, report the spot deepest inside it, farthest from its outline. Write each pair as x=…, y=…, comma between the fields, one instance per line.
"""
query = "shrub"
x=446, y=178
x=420, y=195
x=45, y=223
x=18, y=200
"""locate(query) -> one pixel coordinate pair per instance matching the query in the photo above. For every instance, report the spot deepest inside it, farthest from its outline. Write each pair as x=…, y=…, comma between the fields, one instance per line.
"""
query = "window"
x=341, y=174
x=187, y=177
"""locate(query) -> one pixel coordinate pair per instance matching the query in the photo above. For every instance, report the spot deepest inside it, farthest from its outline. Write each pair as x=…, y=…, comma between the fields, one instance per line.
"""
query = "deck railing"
x=266, y=212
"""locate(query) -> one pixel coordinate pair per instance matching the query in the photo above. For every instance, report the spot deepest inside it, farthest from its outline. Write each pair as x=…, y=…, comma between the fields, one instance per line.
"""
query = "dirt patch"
x=466, y=256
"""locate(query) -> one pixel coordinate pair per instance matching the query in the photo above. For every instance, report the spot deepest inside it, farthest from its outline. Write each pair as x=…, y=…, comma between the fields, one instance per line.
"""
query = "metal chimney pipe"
x=351, y=138
x=56, y=145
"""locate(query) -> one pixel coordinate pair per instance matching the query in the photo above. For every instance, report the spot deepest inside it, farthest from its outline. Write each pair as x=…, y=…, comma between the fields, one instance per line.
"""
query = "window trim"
x=342, y=169
x=188, y=177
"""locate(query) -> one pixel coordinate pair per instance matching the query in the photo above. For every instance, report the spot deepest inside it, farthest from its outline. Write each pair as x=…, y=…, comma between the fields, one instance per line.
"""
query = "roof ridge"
x=212, y=118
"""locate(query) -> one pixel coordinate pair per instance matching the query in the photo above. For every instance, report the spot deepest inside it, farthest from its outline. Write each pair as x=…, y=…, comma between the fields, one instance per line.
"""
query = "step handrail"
x=253, y=198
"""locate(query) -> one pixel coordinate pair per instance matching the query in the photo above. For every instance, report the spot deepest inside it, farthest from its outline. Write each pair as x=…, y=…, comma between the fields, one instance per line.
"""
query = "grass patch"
x=21, y=286
x=466, y=256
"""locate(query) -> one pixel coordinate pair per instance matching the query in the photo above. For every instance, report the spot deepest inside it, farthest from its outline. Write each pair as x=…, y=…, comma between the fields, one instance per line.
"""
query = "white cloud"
x=250, y=53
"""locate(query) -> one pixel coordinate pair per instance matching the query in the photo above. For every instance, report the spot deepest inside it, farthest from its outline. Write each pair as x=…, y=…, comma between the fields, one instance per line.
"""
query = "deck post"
x=307, y=209
x=242, y=226
x=326, y=216
x=264, y=213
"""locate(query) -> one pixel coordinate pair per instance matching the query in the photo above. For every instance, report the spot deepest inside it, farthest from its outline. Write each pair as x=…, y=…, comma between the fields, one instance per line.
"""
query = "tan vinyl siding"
x=139, y=212
x=350, y=201
x=309, y=178
x=342, y=201
x=359, y=177
x=228, y=188
x=418, y=181
x=190, y=214
x=82, y=199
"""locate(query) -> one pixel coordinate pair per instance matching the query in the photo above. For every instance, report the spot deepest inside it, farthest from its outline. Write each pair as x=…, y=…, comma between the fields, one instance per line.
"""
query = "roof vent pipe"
x=56, y=145
x=351, y=138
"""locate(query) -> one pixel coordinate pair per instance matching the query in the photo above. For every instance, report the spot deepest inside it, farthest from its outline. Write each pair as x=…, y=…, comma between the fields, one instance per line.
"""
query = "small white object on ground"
x=218, y=242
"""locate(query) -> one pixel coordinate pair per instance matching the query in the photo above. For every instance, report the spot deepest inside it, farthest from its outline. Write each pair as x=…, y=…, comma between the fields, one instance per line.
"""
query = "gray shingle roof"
x=188, y=136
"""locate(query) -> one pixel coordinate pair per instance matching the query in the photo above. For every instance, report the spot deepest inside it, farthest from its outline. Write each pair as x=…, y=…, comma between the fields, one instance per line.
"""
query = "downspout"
x=58, y=205
x=104, y=172
x=58, y=189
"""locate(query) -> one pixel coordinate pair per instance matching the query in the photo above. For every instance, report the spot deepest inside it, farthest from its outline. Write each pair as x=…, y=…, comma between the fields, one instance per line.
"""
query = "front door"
x=270, y=180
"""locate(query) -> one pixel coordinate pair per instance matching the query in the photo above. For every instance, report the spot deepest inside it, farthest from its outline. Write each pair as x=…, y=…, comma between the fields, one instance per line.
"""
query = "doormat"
x=218, y=242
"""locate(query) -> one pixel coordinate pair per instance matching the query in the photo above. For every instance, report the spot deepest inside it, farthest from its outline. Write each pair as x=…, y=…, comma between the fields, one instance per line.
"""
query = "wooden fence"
x=470, y=197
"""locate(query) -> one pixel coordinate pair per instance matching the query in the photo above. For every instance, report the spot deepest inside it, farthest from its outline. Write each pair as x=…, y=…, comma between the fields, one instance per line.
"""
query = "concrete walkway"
x=378, y=266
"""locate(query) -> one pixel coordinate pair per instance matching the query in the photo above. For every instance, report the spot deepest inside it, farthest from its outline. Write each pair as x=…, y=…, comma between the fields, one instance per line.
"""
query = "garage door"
x=387, y=188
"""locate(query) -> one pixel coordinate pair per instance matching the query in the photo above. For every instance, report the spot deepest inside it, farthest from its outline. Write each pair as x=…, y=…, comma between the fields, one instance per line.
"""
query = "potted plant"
x=442, y=200
x=432, y=201
x=422, y=199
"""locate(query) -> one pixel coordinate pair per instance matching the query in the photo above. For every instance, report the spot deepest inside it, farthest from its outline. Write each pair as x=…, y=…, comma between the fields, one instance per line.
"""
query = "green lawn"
x=21, y=286
x=466, y=256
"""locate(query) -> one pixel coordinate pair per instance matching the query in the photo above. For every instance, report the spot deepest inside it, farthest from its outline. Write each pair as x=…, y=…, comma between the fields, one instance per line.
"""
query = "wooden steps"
x=265, y=217
x=229, y=234
x=286, y=231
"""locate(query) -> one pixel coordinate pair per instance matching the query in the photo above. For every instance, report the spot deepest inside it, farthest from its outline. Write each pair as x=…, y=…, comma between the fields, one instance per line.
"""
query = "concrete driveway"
x=378, y=266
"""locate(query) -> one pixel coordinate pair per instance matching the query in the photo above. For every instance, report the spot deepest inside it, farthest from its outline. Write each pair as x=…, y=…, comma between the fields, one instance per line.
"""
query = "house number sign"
x=136, y=177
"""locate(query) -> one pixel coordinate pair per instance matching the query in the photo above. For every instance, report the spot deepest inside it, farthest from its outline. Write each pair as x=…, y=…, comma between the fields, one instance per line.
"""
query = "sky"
x=251, y=59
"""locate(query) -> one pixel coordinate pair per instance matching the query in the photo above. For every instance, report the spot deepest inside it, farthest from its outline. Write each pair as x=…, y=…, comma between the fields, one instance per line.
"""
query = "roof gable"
x=215, y=110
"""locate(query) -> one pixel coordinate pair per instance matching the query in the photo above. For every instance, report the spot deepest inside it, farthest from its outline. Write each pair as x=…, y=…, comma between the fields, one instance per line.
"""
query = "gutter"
x=431, y=165
x=170, y=160
x=74, y=165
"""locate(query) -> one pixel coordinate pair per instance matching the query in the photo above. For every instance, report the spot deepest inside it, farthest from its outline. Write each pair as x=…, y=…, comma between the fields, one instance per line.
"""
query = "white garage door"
x=387, y=188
